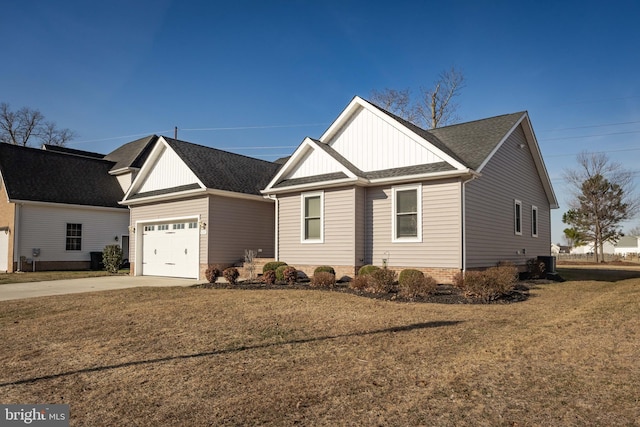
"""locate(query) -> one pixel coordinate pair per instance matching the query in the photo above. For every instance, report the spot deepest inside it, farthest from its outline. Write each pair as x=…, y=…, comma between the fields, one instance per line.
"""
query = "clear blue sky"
x=277, y=71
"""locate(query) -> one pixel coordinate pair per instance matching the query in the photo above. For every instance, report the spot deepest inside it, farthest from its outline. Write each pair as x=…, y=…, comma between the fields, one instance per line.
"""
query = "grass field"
x=570, y=355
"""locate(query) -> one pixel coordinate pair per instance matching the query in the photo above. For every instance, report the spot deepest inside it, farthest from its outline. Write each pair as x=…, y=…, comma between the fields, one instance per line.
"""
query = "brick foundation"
x=54, y=266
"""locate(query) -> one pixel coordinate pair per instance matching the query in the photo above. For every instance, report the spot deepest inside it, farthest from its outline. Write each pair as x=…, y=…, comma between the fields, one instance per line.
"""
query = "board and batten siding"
x=166, y=211
x=236, y=224
x=168, y=171
x=337, y=248
x=374, y=144
x=441, y=228
x=490, y=233
x=45, y=227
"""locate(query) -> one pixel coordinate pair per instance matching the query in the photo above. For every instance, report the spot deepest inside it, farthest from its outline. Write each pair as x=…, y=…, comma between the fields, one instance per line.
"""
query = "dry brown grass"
x=41, y=276
x=568, y=356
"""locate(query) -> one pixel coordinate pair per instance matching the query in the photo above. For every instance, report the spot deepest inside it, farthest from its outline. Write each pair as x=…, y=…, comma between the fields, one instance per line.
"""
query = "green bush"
x=367, y=269
x=325, y=268
x=381, y=280
x=273, y=265
x=269, y=277
x=280, y=272
x=231, y=274
x=413, y=283
x=212, y=273
x=360, y=282
x=290, y=275
x=112, y=258
x=323, y=280
x=491, y=283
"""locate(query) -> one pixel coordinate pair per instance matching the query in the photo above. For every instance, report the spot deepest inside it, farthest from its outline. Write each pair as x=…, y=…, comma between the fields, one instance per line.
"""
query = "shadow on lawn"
x=405, y=328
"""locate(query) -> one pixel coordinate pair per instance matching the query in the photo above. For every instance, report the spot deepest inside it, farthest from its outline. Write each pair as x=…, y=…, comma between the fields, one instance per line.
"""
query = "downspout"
x=277, y=228
x=16, y=237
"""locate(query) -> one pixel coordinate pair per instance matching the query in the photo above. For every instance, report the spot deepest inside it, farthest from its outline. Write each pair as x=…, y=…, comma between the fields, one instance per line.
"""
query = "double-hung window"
x=517, y=217
x=74, y=237
x=407, y=213
x=312, y=218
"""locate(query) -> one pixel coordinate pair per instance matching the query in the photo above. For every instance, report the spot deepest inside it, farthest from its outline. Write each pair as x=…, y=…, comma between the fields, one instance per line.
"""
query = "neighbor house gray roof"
x=222, y=170
x=132, y=154
x=32, y=174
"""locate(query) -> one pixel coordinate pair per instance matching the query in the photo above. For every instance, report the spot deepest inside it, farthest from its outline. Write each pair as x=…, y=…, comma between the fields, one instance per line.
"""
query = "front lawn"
x=186, y=356
x=42, y=276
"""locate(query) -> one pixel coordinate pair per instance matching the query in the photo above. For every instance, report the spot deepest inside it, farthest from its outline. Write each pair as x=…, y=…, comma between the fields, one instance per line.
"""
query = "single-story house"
x=588, y=249
x=376, y=189
x=57, y=205
x=627, y=245
x=192, y=206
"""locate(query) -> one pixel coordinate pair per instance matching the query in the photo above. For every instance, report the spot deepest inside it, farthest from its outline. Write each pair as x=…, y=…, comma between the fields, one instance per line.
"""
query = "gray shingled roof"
x=132, y=154
x=222, y=170
x=72, y=151
x=49, y=176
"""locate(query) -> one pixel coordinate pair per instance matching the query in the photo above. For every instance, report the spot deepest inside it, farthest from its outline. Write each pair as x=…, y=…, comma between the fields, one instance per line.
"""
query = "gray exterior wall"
x=441, y=228
x=489, y=208
x=238, y=224
x=340, y=233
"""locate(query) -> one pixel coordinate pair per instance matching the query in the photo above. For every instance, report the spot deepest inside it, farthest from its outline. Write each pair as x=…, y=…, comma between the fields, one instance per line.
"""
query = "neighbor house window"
x=517, y=216
x=312, y=217
x=534, y=221
x=74, y=237
x=407, y=213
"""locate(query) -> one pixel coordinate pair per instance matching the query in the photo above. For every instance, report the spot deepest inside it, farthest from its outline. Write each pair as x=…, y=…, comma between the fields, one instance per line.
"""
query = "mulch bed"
x=444, y=294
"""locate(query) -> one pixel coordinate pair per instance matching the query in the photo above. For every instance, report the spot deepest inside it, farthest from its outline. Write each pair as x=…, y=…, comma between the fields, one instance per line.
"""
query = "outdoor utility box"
x=549, y=262
x=96, y=261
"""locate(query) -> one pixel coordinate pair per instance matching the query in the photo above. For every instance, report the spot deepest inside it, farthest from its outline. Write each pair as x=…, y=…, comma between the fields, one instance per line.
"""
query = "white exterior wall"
x=45, y=227
x=315, y=162
x=373, y=144
x=168, y=171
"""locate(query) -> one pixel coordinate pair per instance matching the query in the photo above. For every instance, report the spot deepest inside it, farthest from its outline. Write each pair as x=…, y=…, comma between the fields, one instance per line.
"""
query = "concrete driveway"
x=59, y=287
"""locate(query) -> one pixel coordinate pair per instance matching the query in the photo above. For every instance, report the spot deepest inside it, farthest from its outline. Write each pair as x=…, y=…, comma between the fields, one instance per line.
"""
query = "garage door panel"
x=171, y=249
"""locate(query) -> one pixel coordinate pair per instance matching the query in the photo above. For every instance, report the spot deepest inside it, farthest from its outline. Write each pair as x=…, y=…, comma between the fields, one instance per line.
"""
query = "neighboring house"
x=57, y=205
x=627, y=245
x=375, y=189
x=607, y=247
x=557, y=249
x=192, y=206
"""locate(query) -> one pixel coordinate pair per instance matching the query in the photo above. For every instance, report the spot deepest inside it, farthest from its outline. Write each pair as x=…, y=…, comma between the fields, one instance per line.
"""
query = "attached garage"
x=171, y=249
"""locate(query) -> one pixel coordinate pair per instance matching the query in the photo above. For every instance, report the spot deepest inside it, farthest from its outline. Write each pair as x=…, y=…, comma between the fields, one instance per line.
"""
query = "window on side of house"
x=407, y=213
x=534, y=221
x=517, y=217
x=74, y=237
x=312, y=217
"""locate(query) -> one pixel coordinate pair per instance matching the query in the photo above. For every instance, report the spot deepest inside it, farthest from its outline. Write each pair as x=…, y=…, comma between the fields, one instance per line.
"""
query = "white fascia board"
x=123, y=171
x=424, y=177
x=234, y=195
x=68, y=205
x=344, y=169
x=313, y=186
x=164, y=197
x=358, y=102
x=158, y=149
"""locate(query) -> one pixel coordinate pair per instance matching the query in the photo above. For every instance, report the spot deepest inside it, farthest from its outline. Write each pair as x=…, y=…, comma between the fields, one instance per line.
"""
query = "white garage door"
x=171, y=249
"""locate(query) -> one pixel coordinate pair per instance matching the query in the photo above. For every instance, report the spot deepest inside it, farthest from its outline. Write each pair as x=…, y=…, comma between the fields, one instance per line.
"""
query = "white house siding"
x=337, y=248
x=373, y=144
x=236, y=224
x=168, y=171
x=45, y=227
x=164, y=211
x=441, y=225
x=490, y=235
x=315, y=162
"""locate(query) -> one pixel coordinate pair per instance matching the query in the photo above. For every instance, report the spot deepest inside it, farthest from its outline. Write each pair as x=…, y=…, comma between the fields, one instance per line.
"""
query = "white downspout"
x=16, y=237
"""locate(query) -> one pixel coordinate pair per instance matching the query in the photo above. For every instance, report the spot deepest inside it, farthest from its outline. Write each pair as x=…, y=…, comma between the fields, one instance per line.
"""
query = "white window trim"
x=515, y=217
x=303, y=197
x=418, y=238
x=535, y=225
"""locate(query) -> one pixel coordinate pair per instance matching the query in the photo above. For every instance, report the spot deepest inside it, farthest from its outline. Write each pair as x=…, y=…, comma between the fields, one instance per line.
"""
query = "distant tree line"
x=26, y=125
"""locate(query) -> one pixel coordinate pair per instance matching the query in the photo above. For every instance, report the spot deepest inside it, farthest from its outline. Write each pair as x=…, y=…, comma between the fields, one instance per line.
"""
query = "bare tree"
x=635, y=231
x=435, y=106
x=22, y=126
x=603, y=197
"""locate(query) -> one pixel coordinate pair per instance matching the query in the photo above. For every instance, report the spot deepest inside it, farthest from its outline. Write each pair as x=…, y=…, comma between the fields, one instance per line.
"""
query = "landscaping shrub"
x=212, y=273
x=367, y=269
x=231, y=275
x=360, y=282
x=413, y=283
x=112, y=258
x=290, y=275
x=273, y=265
x=269, y=277
x=381, y=280
x=280, y=272
x=325, y=268
x=492, y=283
x=323, y=279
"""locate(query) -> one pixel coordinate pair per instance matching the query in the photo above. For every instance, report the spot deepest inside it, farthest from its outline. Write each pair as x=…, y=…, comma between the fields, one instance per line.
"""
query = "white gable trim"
x=157, y=151
x=357, y=103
